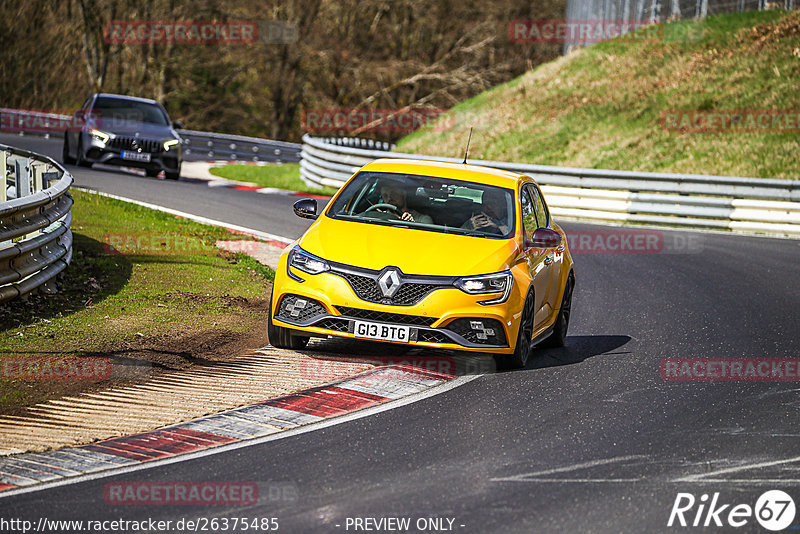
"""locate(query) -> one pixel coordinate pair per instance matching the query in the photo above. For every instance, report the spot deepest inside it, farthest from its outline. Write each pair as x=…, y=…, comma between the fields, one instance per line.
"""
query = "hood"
x=375, y=246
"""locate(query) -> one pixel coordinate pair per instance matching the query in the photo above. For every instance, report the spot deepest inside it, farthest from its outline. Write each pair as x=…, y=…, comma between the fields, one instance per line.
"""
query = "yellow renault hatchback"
x=429, y=254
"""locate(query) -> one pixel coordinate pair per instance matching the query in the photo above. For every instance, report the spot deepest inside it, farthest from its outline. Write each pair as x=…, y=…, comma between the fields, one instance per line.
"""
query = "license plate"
x=136, y=156
x=386, y=332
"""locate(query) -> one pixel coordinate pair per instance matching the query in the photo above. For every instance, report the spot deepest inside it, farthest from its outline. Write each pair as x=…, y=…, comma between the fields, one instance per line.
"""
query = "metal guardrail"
x=753, y=205
x=214, y=146
x=35, y=218
x=196, y=145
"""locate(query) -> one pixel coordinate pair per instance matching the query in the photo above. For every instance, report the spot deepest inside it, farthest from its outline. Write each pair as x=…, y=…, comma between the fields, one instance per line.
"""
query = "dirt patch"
x=764, y=34
x=224, y=300
x=136, y=360
x=183, y=349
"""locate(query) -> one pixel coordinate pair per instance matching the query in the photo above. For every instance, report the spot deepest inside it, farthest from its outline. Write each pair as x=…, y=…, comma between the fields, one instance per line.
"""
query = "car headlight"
x=170, y=143
x=308, y=263
x=488, y=283
x=100, y=136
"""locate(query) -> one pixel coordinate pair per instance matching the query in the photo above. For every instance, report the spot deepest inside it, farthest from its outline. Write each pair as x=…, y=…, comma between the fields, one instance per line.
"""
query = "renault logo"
x=389, y=283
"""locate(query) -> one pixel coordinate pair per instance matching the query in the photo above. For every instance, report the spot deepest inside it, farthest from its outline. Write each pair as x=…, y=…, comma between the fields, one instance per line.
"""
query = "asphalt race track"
x=589, y=438
x=233, y=206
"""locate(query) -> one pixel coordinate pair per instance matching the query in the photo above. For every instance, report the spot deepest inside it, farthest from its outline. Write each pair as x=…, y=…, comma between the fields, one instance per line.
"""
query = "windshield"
x=112, y=110
x=427, y=203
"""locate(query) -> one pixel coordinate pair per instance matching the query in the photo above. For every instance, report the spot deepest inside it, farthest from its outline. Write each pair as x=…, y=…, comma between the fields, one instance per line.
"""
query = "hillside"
x=602, y=106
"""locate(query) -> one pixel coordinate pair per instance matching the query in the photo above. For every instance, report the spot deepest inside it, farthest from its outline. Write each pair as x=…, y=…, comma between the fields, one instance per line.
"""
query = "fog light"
x=296, y=307
x=480, y=331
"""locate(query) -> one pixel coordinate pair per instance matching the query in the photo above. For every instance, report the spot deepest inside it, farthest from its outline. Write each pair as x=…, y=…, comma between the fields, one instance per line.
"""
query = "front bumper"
x=97, y=151
x=444, y=318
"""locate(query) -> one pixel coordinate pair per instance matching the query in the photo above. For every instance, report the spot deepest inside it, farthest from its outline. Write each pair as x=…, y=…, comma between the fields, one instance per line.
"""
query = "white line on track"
x=365, y=412
x=585, y=465
x=704, y=477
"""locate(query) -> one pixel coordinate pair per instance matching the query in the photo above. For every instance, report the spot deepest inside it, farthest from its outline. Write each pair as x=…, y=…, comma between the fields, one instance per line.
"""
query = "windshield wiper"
x=462, y=231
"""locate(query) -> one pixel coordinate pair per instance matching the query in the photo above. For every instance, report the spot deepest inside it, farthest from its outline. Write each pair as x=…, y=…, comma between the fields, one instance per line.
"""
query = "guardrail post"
x=3, y=186
x=22, y=172
x=3, y=176
x=38, y=169
x=24, y=186
x=48, y=177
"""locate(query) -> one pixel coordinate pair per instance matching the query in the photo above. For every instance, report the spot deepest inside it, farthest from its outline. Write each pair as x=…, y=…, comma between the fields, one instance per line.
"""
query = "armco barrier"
x=214, y=146
x=35, y=218
x=752, y=205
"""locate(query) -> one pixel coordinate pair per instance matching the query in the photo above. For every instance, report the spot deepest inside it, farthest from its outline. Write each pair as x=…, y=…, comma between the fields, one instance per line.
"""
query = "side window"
x=528, y=212
x=541, y=210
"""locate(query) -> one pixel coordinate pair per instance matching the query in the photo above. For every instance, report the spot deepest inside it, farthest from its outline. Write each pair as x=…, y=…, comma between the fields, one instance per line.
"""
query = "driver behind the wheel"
x=394, y=193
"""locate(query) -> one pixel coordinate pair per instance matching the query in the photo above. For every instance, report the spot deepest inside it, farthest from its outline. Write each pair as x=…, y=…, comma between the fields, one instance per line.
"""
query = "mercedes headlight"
x=486, y=284
x=100, y=136
x=170, y=143
x=308, y=263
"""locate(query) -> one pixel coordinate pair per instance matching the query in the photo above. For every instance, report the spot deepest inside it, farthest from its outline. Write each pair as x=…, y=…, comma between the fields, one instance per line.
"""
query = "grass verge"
x=161, y=295
x=280, y=175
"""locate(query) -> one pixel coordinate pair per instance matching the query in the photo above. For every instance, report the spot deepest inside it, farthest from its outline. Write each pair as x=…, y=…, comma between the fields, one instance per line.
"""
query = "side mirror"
x=178, y=125
x=306, y=208
x=544, y=238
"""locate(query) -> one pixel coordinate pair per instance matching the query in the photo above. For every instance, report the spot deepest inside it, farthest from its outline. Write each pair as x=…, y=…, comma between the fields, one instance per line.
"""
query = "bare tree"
x=95, y=44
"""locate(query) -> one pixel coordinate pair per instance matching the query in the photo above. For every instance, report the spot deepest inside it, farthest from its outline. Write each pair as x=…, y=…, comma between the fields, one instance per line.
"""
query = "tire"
x=152, y=173
x=523, y=348
x=79, y=159
x=282, y=338
x=65, y=157
x=559, y=335
x=172, y=175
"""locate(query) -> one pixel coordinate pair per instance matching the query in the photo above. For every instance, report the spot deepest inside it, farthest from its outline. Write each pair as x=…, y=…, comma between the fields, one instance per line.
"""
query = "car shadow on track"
x=447, y=362
x=455, y=363
x=576, y=350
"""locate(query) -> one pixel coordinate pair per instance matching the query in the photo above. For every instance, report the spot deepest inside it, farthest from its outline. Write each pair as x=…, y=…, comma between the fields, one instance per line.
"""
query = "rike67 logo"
x=774, y=510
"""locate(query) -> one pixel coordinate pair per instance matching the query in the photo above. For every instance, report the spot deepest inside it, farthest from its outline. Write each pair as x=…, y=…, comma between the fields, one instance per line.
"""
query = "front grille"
x=386, y=317
x=365, y=288
x=134, y=143
x=433, y=337
x=340, y=325
x=411, y=293
x=408, y=294
x=479, y=331
x=298, y=309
